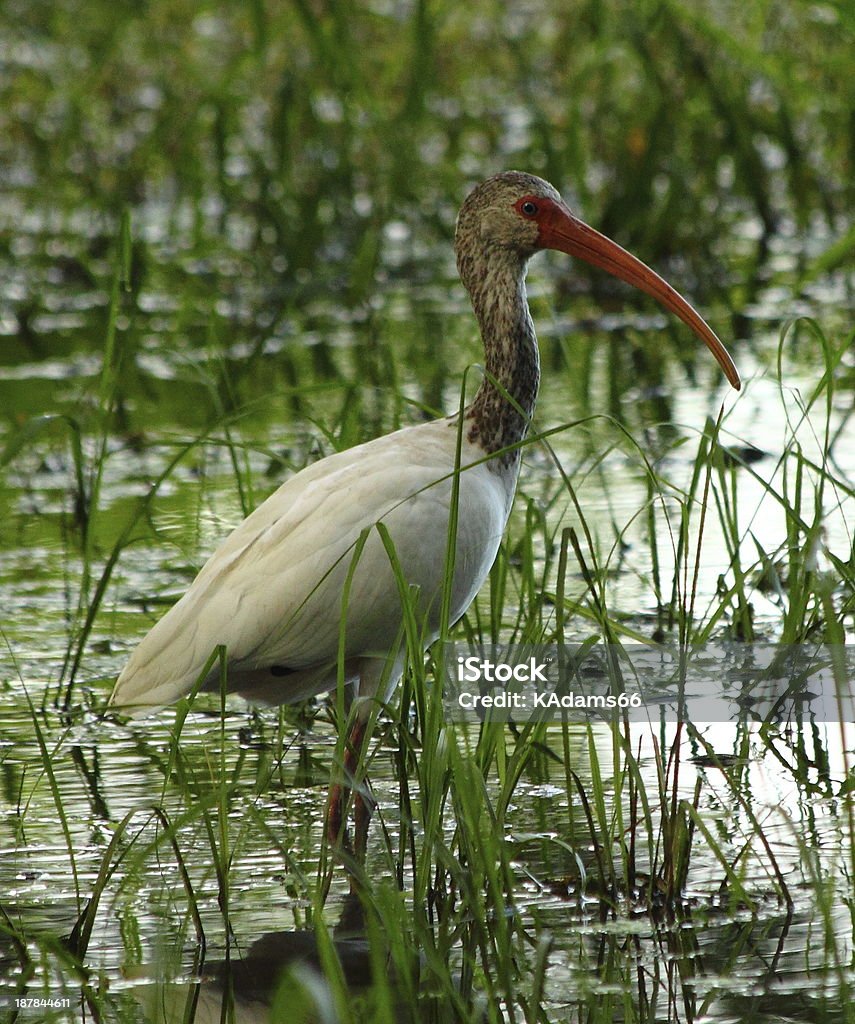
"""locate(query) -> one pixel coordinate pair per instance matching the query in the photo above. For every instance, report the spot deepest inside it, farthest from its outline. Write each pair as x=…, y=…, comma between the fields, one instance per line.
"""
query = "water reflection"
x=280, y=977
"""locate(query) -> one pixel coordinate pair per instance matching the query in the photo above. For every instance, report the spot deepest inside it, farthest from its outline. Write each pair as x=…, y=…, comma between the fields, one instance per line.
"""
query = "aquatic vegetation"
x=226, y=241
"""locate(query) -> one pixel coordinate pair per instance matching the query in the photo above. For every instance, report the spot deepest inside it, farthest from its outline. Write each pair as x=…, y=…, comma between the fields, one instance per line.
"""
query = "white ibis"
x=272, y=594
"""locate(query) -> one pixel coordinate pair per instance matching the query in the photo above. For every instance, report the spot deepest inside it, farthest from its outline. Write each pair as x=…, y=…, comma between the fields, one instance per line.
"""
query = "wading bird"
x=273, y=594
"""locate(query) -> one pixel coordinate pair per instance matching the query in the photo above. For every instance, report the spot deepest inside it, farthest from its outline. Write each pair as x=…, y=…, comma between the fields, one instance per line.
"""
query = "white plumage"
x=272, y=592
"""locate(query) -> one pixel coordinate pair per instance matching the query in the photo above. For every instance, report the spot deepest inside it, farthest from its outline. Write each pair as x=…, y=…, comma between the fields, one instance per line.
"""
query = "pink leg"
x=335, y=803
x=363, y=809
x=336, y=830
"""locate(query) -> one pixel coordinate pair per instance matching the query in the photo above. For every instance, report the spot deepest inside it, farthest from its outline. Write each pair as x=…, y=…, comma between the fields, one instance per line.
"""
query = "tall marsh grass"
x=245, y=212
x=452, y=891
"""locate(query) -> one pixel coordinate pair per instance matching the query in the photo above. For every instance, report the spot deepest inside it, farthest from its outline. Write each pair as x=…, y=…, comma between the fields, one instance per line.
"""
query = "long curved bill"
x=561, y=230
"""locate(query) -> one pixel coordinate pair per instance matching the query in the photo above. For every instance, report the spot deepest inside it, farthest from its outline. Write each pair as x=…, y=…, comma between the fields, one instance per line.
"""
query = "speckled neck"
x=500, y=413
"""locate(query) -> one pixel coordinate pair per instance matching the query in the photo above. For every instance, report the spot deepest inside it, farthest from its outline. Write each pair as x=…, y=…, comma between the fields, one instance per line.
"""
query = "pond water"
x=721, y=959
x=223, y=389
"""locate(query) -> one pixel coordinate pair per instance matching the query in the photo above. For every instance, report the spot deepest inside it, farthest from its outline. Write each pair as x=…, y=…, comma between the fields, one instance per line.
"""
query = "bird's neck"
x=500, y=413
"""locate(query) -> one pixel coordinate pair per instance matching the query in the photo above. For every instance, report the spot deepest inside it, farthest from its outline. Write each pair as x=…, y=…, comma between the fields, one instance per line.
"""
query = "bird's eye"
x=528, y=208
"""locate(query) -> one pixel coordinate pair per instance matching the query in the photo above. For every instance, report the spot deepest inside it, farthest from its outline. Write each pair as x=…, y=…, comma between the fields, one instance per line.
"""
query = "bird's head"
x=513, y=215
x=506, y=212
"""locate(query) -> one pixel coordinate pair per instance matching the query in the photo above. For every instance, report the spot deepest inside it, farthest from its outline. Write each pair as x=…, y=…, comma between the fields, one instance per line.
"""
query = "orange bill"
x=561, y=230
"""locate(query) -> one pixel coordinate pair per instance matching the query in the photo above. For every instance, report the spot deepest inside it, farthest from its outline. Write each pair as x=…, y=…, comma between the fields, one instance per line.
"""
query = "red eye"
x=528, y=208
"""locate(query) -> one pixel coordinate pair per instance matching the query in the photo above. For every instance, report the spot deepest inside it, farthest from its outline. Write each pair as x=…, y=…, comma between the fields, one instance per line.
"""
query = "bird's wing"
x=272, y=592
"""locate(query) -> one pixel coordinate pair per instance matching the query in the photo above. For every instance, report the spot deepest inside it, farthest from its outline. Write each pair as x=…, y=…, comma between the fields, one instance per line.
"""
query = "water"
x=287, y=364
x=730, y=957
x=733, y=961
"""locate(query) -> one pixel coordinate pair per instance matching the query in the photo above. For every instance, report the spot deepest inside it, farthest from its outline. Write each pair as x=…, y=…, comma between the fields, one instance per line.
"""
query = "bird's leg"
x=336, y=829
x=363, y=807
x=335, y=803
